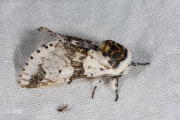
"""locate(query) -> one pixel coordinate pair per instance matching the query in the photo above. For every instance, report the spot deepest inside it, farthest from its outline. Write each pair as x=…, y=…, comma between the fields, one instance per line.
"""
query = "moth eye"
x=31, y=57
x=46, y=47
x=26, y=63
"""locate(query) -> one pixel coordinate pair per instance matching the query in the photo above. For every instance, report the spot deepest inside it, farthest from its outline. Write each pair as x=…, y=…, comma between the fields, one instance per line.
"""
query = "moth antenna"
x=138, y=64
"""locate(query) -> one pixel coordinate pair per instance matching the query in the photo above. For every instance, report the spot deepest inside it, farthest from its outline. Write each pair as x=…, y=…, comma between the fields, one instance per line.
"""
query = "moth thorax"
x=114, y=51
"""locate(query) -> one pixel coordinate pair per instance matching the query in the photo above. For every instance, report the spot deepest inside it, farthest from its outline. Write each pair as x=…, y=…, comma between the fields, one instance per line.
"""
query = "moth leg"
x=46, y=30
x=94, y=89
x=69, y=81
x=114, y=85
x=138, y=64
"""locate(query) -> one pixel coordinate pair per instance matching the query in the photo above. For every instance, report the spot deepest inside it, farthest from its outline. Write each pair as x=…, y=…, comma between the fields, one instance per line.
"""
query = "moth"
x=70, y=58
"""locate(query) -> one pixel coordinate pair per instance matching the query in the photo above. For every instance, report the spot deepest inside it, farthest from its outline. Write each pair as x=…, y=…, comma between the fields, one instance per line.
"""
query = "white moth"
x=71, y=58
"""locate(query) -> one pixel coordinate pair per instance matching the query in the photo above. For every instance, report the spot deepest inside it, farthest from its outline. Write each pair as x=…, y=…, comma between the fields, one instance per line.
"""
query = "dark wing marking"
x=73, y=40
x=82, y=42
x=114, y=51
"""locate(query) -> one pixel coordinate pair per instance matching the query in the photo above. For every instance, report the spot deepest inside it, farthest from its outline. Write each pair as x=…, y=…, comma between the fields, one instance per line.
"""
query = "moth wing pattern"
x=71, y=58
x=73, y=40
x=44, y=67
x=57, y=62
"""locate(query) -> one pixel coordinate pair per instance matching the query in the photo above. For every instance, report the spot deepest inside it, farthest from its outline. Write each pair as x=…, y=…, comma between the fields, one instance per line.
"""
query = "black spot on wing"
x=82, y=42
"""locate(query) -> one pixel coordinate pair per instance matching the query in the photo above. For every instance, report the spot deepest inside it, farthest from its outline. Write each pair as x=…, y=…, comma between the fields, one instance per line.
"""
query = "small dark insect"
x=63, y=108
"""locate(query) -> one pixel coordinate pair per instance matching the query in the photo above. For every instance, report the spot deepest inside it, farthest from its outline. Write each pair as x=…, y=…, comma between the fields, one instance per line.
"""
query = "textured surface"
x=150, y=29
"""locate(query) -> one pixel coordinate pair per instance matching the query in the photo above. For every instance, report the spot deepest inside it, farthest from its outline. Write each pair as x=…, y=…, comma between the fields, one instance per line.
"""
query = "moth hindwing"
x=70, y=58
